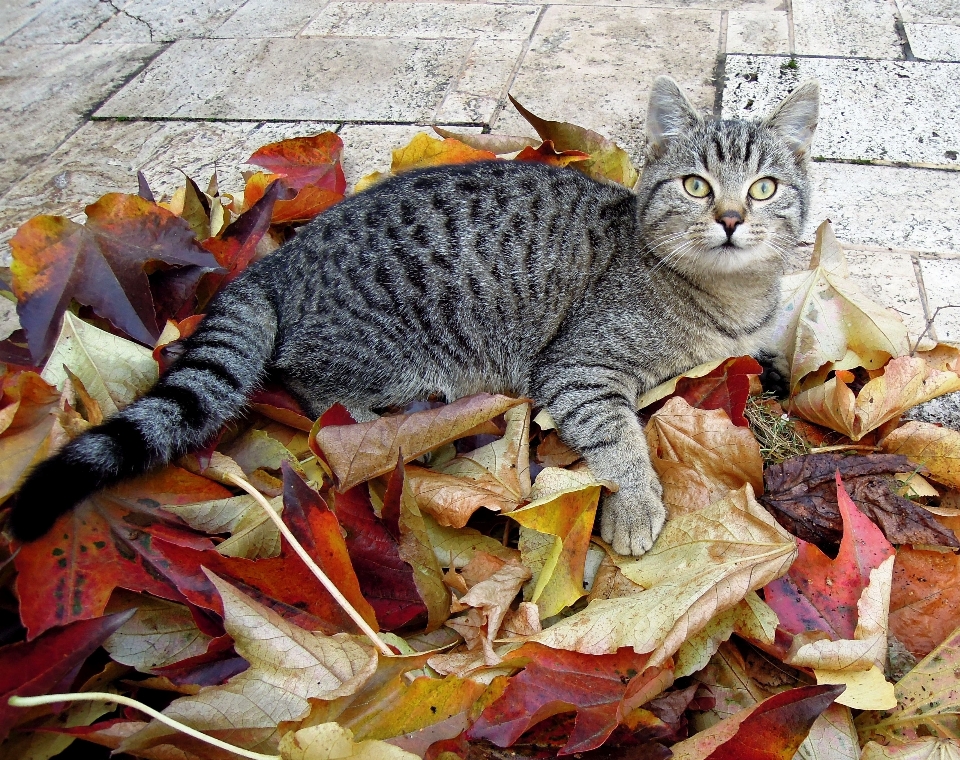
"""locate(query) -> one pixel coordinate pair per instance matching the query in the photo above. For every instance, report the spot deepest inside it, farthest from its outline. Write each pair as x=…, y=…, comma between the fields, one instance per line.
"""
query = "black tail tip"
x=28, y=524
x=53, y=488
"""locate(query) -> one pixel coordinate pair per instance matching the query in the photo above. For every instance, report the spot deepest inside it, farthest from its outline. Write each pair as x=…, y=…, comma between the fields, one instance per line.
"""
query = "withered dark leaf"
x=801, y=493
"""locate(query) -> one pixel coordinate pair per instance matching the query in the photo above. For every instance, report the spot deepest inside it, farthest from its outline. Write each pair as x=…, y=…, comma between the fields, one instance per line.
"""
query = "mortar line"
x=720, y=70
x=527, y=43
x=791, y=33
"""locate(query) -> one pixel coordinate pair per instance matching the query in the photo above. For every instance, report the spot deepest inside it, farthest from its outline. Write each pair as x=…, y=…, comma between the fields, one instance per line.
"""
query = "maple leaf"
x=607, y=162
x=715, y=385
x=825, y=323
x=287, y=665
x=100, y=264
x=821, y=594
x=498, y=144
x=925, y=748
x=602, y=689
x=424, y=150
x=302, y=161
x=702, y=563
x=925, y=597
x=108, y=541
x=546, y=153
x=330, y=741
x=252, y=534
x=49, y=663
x=29, y=426
x=801, y=493
x=360, y=452
x=700, y=456
x=291, y=205
x=906, y=381
x=936, y=448
x=114, y=371
x=775, y=728
x=456, y=547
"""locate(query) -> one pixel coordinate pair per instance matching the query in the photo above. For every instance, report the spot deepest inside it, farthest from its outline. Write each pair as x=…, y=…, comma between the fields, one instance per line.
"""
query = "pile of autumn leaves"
x=462, y=533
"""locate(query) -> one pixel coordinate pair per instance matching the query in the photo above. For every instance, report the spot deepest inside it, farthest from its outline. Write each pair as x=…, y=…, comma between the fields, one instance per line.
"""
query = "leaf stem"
x=102, y=696
x=314, y=568
x=844, y=447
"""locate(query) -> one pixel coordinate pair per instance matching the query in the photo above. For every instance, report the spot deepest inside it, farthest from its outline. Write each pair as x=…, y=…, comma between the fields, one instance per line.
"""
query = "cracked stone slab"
x=930, y=11
x=942, y=282
x=706, y=5
x=46, y=91
x=862, y=28
x=887, y=206
x=427, y=20
x=934, y=42
x=104, y=157
x=758, y=32
x=321, y=79
x=593, y=66
x=162, y=20
x=63, y=21
x=270, y=18
x=891, y=111
x=18, y=13
x=481, y=86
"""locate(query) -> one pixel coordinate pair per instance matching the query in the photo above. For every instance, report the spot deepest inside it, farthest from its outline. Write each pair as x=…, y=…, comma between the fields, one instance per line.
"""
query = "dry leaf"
x=936, y=448
x=926, y=748
x=455, y=548
x=702, y=564
x=252, y=534
x=328, y=741
x=424, y=150
x=832, y=737
x=700, y=456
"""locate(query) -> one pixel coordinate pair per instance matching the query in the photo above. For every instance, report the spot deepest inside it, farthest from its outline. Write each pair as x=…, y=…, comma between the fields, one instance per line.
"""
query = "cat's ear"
x=669, y=115
x=795, y=119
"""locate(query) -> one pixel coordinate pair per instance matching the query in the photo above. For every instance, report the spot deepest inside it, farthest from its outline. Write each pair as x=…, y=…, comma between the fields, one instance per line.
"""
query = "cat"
x=496, y=276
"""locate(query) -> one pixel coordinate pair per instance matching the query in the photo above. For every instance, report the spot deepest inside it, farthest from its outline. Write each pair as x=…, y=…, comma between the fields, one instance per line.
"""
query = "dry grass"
x=774, y=431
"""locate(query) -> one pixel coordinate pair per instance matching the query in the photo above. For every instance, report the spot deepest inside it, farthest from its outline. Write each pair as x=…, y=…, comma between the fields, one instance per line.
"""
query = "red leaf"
x=727, y=387
x=49, y=664
x=555, y=681
x=101, y=264
x=110, y=541
x=386, y=581
x=219, y=663
x=305, y=161
x=821, y=594
x=236, y=247
x=275, y=402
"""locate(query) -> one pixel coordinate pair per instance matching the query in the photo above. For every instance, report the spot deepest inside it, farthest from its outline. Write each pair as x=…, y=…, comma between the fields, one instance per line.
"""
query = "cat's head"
x=724, y=196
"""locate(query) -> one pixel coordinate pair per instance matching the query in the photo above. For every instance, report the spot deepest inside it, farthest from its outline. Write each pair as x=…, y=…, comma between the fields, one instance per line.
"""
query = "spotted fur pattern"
x=501, y=277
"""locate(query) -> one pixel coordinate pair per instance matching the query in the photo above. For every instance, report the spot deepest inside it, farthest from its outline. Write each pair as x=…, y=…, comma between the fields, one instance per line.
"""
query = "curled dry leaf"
x=702, y=564
x=330, y=741
x=455, y=548
x=832, y=737
x=360, y=452
x=287, y=665
x=302, y=161
x=252, y=534
x=825, y=322
x=30, y=430
x=700, y=456
x=546, y=153
x=906, y=381
x=499, y=144
x=936, y=448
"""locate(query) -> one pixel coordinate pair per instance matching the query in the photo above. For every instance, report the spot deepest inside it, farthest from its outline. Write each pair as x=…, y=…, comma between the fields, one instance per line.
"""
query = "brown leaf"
x=29, y=429
x=925, y=598
x=499, y=144
x=700, y=456
x=801, y=493
x=936, y=448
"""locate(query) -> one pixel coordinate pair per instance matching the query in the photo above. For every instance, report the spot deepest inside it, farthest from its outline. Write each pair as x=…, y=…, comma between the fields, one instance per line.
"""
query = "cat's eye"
x=763, y=189
x=698, y=187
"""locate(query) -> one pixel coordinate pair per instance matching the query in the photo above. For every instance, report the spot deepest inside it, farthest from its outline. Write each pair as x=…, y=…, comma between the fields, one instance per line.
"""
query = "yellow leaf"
x=328, y=741
x=936, y=448
x=825, y=322
x=455, y=548
x=369, y=181
x=703, y=563
x=253, y=535
x=554, y=536
x=700, y=456
x=114, y=371
x=499, y=144
x=424, y=150
x=906, y=381
x=866, y=689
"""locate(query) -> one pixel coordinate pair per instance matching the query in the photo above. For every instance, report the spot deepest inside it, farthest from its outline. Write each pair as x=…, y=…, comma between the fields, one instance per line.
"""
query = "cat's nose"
x=730, y=220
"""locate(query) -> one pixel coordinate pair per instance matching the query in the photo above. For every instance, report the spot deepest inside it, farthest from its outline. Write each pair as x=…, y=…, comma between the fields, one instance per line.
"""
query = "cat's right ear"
x=669, y=115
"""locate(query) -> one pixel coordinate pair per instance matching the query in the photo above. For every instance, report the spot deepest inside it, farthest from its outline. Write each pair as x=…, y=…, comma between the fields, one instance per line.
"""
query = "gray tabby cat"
x=501, y=277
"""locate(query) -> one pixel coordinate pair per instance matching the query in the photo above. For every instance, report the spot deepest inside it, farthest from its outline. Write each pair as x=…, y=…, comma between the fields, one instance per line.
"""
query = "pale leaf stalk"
x=314, y=568
x=102, y=696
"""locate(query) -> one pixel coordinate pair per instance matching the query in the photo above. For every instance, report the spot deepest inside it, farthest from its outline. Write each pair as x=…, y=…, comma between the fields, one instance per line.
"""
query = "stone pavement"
x=93, y=90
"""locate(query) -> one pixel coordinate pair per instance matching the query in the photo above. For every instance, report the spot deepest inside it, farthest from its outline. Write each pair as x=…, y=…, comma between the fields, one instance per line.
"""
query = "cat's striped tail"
x=221, y=365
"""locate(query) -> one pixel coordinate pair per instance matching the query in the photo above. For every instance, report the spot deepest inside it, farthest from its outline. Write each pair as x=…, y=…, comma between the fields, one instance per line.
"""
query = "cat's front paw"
x=632, y=518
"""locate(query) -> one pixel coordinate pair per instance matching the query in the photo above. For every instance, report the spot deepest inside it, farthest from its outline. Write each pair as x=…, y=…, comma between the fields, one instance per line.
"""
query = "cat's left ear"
x=669, y=115
x=795, y=119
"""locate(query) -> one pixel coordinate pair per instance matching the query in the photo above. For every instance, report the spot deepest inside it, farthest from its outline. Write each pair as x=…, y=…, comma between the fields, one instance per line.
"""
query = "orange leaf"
x=424, y=150
x=305, y=161
x=924, y=599
x=298, y=206
x=547, y=154
x=28, y=420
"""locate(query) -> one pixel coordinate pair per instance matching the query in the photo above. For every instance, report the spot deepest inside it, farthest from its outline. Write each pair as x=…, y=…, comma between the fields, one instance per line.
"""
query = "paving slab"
x=269, y=18
x=17, y=14
x=593, y=65
x=707, y=5
x=321, y=79
x=886, y=206
x=889, y=279
x=104, y=157
x=934, y=42
x=758, y=32
x=482, y=85
x=942, y=282
x=890, y=111
x=426, y=20
x=861, y=28
x=930, y=11
x=46, y=92
x=163, y=20
x=63, y=21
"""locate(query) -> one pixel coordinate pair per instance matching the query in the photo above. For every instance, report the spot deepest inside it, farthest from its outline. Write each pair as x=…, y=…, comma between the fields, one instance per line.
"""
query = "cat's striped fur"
x=501, y=277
